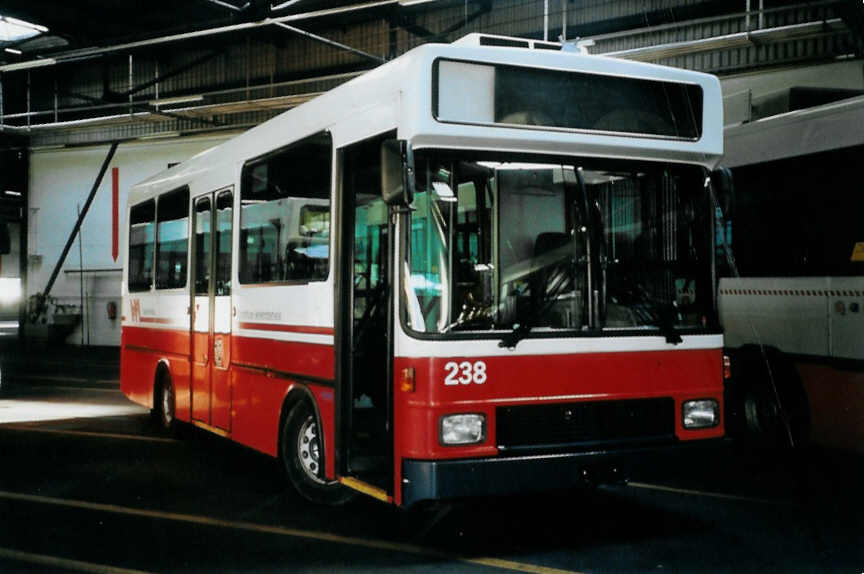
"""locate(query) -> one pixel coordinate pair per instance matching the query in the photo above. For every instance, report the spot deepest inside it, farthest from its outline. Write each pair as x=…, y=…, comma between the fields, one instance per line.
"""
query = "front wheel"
x=164, y=408
x=302, y=456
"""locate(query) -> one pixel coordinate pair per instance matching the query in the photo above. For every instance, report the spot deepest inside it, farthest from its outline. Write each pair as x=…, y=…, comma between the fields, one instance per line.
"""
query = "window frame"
x=698, y=125
x=247, y=168
x=150, y=284
x=188, y=217
x=404, y=238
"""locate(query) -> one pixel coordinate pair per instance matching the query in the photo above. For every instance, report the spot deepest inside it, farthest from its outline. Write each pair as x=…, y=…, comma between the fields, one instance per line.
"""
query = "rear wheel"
x=302, y=455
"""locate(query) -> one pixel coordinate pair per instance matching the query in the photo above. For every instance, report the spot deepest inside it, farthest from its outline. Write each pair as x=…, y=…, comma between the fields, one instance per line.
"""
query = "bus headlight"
x=700, y=414
x=462, y=429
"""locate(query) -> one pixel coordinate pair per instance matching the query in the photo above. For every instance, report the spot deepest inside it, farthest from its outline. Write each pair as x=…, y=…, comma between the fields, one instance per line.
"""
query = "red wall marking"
x=115, y=199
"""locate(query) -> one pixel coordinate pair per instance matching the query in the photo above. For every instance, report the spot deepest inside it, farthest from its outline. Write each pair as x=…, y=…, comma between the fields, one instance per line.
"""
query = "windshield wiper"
x=511, y=339
x=521, y=330
x=665, y=315
x=666, y=322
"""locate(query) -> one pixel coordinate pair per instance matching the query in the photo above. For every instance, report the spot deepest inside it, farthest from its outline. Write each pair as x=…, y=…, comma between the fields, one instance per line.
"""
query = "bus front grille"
x=586, y=424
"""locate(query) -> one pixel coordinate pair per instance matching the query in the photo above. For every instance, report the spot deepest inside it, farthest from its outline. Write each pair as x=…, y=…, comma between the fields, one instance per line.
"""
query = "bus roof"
x=399, y=96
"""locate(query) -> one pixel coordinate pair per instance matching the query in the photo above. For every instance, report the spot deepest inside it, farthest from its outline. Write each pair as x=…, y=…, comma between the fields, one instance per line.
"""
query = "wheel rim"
x=751, y=414
x=309, y=449
x=761, y=414
x=167, y=405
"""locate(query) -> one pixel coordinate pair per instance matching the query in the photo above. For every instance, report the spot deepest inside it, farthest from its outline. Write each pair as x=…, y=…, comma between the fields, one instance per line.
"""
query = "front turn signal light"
x=406, y=383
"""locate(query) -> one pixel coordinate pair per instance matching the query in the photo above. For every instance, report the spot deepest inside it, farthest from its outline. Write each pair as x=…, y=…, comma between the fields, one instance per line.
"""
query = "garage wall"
x=60, y=180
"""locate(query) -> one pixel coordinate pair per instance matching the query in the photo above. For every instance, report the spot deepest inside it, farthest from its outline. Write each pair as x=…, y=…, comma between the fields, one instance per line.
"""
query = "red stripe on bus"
x=159, y=320
x=286, y=328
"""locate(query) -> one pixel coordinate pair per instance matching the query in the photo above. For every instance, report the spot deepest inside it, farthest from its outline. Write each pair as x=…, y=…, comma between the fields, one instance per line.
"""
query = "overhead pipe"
x=708, y=20
x=230, y=6
x=545, y=20
x=157, y=102
x=729, y=41
x=90, y=52
x=329, y=42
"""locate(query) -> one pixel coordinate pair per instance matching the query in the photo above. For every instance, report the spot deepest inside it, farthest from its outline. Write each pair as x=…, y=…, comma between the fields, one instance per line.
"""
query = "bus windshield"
x=507, y=244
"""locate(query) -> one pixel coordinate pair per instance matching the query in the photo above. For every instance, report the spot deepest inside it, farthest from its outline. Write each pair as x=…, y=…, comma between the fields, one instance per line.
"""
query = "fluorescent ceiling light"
x=14, y=30
x=176, y=100
x=25, y=24
x=282, y=5
x=28, y=65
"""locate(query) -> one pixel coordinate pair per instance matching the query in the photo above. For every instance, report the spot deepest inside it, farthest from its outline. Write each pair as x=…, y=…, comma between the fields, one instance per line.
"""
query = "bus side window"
x=202, y=246
x=172, y=239
x=224, y=219
x=285, y=214
x=141, y=224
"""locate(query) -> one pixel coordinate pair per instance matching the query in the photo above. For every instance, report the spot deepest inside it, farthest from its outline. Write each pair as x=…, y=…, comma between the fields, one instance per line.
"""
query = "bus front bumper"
x=460, y=478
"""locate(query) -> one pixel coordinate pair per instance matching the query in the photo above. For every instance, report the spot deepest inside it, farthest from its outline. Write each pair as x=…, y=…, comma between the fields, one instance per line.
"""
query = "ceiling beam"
x=329, y=42
x=412, y=27
x=145, y=107
x=129, y=46
x=230, y=6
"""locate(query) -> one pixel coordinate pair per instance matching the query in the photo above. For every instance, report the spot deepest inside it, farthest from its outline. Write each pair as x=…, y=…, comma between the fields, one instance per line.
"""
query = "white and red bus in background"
x=480, y=268
x=796, y=283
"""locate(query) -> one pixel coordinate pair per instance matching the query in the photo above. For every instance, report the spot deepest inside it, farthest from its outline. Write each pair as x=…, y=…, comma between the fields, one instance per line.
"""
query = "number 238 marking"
x=465, y=373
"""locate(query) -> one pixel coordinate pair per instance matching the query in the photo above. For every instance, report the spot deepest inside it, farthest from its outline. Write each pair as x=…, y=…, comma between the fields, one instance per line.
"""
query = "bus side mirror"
x=5, y=240
x=397, y=173
x=724, y=190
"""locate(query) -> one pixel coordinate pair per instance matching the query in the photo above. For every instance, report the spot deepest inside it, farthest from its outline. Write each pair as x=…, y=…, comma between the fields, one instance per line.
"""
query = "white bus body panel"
x=398, y=96
x=799, y=315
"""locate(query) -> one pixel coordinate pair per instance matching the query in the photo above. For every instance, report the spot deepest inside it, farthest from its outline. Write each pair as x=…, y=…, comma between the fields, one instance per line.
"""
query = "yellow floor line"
x=24, y=428
x=719, y=495
x=57, y=562
x=293, y=532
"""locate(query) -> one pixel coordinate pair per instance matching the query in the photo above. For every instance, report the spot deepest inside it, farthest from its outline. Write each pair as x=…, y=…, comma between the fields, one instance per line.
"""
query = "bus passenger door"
x=220, y=398
x=202, y=334
x=211, y=325
x=364, y=322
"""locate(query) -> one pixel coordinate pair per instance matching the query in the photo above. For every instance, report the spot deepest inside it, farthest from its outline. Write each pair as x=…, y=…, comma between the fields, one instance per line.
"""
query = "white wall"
x=60, y=179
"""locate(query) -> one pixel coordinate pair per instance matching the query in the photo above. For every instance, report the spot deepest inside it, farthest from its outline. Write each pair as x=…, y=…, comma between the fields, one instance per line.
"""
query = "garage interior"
x=95, y=98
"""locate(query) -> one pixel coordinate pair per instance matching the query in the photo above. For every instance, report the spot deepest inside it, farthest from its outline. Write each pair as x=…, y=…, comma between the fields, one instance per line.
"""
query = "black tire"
x=165, y=405
x=767, y=405
x=302, y=458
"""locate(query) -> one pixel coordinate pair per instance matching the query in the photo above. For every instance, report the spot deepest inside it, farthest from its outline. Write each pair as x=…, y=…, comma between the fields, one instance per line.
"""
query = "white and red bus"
x=480, y=268
x=796, y=285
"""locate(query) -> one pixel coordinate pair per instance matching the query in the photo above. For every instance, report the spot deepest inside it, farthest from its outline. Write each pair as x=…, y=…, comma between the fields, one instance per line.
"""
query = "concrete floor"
x=86, y=484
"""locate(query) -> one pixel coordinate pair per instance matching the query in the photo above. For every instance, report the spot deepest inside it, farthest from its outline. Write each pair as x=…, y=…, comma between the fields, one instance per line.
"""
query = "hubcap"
x=167, y=403
x=759, y=414
x=308, y=448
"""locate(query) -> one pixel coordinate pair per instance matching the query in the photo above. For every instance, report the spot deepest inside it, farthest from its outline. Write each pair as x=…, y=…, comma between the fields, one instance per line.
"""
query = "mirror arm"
x=408, y=183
